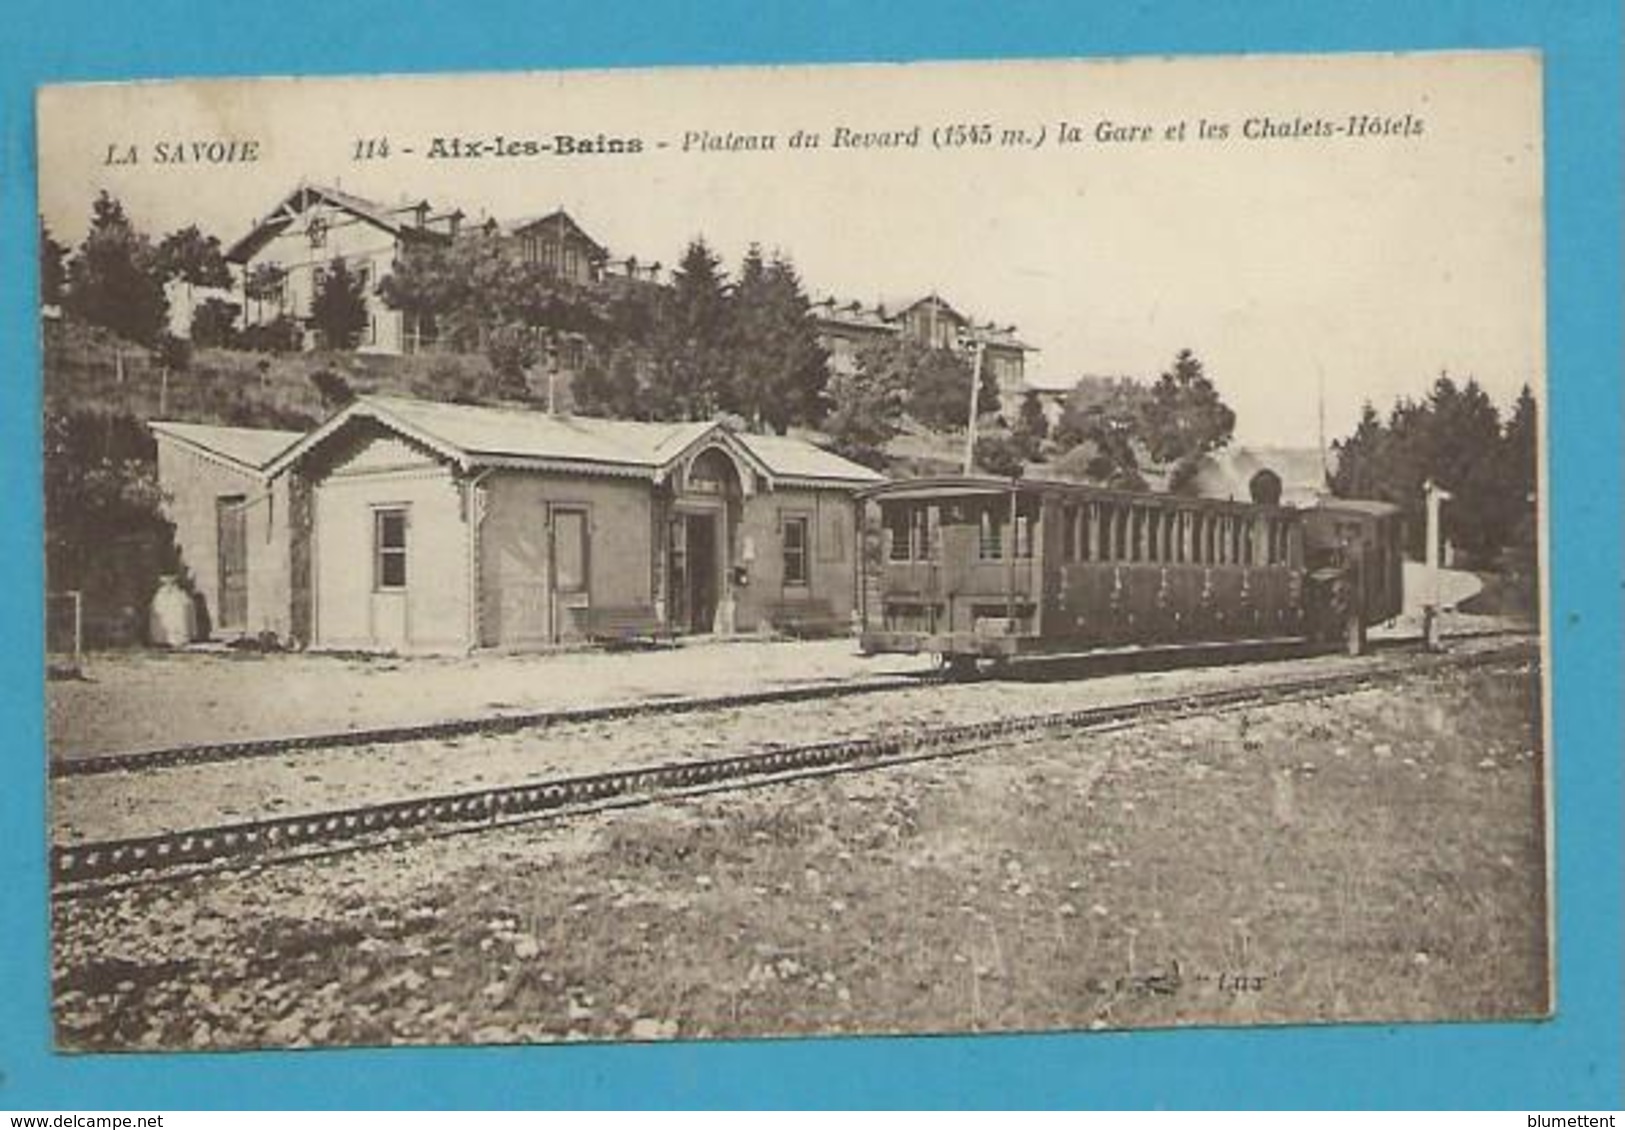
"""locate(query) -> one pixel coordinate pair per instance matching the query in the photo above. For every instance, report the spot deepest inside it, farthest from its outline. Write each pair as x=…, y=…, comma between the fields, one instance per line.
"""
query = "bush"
x=280, y=335
x=105, y=532
x=214, y=324
x=457, y=379
x=334, y=389
x=1000, y=455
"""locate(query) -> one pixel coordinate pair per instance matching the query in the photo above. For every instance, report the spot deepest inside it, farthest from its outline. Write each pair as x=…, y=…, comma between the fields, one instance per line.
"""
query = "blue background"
x=1571, y=1062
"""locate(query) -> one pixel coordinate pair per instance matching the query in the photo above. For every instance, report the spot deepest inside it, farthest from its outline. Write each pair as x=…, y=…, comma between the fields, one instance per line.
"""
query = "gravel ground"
x=1376, y=856
x=123, y=804
x=135, y=700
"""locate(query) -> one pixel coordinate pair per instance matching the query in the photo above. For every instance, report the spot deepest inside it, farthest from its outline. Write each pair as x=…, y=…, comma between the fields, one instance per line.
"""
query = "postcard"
x=690, y=554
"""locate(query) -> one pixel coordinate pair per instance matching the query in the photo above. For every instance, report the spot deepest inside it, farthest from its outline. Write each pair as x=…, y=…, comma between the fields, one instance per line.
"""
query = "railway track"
x=84, y=765
x=87, y=868
x=200, y=754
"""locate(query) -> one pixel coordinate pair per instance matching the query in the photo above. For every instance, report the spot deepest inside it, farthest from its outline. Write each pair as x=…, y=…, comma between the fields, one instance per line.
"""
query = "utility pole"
x=975, y=407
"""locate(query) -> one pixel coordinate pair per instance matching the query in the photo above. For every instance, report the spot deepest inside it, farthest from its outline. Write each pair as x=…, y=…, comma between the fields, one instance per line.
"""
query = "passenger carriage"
x=975, y=567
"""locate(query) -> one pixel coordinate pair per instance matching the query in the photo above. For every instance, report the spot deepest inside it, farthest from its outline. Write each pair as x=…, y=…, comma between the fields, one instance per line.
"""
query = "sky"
x=1300, y=264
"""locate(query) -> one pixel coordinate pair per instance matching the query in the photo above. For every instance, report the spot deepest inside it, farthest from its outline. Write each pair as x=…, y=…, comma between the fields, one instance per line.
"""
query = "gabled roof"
x=252, y=449
x=797, y=460
x=942, y=304
x=887, y=316
x=301, y=199
x=560, y=221
x=473, y=436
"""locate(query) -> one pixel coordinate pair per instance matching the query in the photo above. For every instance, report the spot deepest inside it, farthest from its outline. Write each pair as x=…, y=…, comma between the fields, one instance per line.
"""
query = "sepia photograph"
x=696, y=554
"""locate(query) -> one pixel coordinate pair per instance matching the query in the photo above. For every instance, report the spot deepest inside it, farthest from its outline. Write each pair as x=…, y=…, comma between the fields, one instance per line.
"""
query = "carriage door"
x=231, y=524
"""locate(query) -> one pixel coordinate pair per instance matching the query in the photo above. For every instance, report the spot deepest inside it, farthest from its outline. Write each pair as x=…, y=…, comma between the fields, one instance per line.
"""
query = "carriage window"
x=1024, y=536
x=1119, y=533
x=894, y=520
x=991, y=543
x=1247, y=529
x=1086, y=524
x=1069, y=532
x=910, y=532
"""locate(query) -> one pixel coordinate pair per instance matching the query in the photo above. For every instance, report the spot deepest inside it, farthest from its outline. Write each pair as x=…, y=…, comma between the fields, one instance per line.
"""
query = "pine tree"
x=53, y=269
x=1521, y=458
x=1185, y=418
x=113, y=281
x=338, y=307
x=866, y=408
x=1031, y=428
x=192, y=257
x=1521, y=447
x=1467, y=459
x=692, y=365
x=1359, y=472
x=780, y=370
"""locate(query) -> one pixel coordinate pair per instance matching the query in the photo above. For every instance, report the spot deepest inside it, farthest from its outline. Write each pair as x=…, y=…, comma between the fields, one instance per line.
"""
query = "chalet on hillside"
x=844, y=330
x=313, y=225
x=559, y=245
x=415, y=526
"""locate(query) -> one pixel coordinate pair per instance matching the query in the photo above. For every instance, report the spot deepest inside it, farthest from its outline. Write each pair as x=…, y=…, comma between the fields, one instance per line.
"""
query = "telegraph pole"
x=975, y=407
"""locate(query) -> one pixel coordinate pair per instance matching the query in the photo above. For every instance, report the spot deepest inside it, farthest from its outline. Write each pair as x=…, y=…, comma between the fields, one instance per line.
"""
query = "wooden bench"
x=805, y=618
x=623, y=625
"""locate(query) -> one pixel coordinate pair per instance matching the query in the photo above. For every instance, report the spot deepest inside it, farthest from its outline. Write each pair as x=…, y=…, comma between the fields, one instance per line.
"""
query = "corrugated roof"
x=797, y=459
x=525, y=434
x=519, y=433
x=253, y=448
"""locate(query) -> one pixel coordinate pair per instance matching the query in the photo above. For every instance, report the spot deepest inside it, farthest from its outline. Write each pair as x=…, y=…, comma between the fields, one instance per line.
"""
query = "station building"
x=410, y=525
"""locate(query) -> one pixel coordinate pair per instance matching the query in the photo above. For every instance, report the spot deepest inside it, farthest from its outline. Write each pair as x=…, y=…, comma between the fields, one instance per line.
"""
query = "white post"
x=975, y=406
x=1436, y=495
